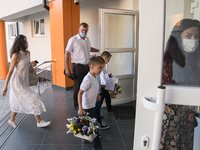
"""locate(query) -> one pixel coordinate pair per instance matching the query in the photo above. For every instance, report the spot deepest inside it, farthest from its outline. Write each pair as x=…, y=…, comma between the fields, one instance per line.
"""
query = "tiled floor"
x=59, y=106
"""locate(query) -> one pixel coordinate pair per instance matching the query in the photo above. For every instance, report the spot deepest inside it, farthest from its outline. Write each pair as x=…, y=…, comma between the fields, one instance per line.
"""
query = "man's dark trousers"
x=79, y=71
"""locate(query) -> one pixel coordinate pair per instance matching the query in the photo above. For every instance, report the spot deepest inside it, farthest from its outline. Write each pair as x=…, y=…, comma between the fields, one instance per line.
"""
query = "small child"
x=98, y=104
x=104, y=93
x=88, y=93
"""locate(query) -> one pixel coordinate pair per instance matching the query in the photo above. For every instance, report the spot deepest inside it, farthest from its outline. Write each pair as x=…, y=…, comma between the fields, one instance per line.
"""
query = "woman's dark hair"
x=174, y=43
x=19, y=43
x=181, y=26
x=173, y=51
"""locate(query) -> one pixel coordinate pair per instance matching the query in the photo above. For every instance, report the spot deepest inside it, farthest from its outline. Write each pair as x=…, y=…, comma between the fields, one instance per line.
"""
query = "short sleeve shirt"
x=102, y=76
x=90, y=86
x=79, y=49
x=99, y=82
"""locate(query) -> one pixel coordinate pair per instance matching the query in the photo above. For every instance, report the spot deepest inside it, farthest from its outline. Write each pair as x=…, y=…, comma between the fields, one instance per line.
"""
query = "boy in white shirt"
x=88, y=93
x=104, y=93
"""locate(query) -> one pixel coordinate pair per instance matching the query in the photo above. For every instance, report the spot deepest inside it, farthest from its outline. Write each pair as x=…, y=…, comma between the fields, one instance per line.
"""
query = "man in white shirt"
x=79, y=47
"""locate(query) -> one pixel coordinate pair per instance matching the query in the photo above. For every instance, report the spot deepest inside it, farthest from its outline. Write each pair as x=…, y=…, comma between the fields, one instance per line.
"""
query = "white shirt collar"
x=91, y=75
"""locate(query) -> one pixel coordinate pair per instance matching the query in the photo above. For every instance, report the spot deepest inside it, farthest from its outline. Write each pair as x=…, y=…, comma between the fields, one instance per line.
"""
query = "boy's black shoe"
x=103, y=126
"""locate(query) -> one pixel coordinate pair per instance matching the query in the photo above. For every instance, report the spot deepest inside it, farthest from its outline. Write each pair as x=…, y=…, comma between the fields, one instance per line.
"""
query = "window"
x=12, y=30
x=38, y=27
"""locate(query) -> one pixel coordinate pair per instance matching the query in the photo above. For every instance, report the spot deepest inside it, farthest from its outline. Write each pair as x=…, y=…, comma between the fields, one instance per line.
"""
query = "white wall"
x=89, y=14
x=39, y=47
x=182, y=11
x=10, y=7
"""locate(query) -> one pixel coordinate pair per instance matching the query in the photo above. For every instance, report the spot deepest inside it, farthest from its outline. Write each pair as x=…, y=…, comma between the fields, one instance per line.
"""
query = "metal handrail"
x=49, y=61
x=42, y=70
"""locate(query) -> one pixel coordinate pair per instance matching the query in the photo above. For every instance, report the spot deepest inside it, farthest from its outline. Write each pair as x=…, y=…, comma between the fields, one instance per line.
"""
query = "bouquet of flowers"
x=83, y=127
x=112, y=85
x=117, y=91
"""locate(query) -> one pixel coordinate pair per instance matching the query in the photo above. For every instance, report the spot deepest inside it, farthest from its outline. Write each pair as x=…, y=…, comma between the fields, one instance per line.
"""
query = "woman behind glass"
x=181, y=66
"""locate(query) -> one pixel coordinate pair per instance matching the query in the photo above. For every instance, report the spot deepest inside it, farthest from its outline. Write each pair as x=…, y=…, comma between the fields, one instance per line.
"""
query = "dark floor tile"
x=113, y=146
x=60, y=119
x=110, y=135
x=30, y=119
x=65, y=105
x=21, y=147
x=27, y=134
x=127, y=130
x=58, y=135
x=109, y=117
x=61, y=147
x=59, y=105
x=87, y=146
x=129, y=146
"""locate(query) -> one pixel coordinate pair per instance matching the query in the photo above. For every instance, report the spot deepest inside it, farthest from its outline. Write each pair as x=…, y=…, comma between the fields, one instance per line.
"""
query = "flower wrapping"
x=82, y=127
x=88, y=138
x=112, y=85
x=111, y=82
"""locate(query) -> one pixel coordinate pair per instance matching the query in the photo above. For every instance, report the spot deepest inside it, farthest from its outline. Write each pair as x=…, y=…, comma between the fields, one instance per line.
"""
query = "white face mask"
x=190, y=45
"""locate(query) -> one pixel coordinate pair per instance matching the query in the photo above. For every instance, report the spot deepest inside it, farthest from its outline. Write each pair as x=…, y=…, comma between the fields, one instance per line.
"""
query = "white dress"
x=22, y=98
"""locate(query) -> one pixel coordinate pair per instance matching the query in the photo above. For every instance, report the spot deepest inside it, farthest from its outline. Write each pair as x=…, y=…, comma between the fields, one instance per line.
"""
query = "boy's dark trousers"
x=105, y=94
x=96, y=142
x=98, y=112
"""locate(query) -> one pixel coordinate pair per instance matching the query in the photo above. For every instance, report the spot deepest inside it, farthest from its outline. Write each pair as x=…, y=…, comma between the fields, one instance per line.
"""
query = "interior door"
x=119, y=35
x=158, y=18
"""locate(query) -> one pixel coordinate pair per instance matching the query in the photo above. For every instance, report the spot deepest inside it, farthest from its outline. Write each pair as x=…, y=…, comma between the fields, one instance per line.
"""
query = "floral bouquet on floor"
x=83, y=127
x=112, y=85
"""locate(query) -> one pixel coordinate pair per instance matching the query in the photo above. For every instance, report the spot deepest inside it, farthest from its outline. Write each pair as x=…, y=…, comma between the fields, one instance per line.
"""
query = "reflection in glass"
x=182, y=55
x=181, y=66
x=36, y=27
x=121, y=63
x=42, y=26
x=117, y=27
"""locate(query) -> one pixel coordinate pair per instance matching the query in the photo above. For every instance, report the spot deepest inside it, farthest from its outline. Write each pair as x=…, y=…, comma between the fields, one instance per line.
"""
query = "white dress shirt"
x=79, y=49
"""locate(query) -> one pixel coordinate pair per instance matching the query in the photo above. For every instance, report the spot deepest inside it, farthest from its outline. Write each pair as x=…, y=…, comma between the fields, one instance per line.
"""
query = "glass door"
x=169, y=55
x=119, y=36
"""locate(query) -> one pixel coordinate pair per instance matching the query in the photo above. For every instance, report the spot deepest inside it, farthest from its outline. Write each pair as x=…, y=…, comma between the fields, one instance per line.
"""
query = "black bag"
x=72, y=76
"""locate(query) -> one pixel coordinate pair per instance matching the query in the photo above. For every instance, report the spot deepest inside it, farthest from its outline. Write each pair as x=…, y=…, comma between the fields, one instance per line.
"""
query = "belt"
x=80, y=64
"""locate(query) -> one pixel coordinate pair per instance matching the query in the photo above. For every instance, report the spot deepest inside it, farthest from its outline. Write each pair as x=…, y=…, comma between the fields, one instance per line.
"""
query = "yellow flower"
x=79, y=130
x=71, y=128
x=74, y=131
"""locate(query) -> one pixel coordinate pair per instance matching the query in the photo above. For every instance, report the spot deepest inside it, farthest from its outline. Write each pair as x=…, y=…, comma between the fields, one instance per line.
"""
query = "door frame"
x=150, y=59
x=151, y=56
x=115, y=50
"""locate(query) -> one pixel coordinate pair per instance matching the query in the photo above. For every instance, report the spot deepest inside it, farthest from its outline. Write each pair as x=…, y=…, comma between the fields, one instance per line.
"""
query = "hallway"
x=59, y=105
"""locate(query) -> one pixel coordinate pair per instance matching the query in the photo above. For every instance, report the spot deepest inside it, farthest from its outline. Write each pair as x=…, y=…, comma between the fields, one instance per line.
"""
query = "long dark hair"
x=19, y=43
x=174, y=47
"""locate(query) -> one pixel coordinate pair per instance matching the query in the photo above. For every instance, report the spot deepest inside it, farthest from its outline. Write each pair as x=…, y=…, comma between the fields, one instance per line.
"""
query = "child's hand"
x=4, y=91
x=98, y=97
x=81, y=112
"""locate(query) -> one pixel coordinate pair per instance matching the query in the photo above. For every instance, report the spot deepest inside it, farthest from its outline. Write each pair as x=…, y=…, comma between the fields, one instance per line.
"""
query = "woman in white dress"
x=22, y=98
